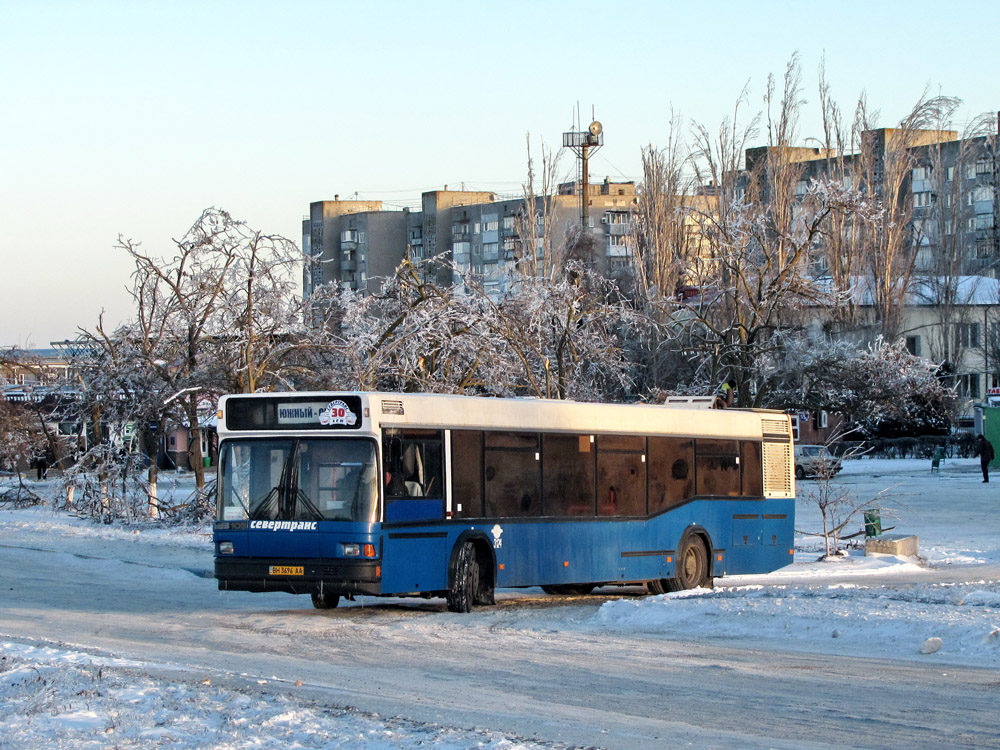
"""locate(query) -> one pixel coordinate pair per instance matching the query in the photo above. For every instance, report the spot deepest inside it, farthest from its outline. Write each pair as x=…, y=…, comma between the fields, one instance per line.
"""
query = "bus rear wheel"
x=692, y=567
x=466, y=582
x=323, y=600
x=656, y=586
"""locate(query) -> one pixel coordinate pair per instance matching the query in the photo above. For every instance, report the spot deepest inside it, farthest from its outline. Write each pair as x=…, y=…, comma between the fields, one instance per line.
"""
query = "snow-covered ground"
x=941, y=608
x=54, y=697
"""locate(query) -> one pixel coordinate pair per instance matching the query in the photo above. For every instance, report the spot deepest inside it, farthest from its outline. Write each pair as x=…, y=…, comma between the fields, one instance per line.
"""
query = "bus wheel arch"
x=471, y=572
x=694, y=562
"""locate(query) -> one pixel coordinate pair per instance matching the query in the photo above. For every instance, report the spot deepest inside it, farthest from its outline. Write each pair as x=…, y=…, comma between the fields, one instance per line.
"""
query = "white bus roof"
x=530, y=415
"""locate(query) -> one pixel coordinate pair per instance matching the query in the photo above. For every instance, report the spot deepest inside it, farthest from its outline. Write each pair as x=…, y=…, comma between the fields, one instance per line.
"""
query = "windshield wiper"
x=302, y=500
x=267, y=507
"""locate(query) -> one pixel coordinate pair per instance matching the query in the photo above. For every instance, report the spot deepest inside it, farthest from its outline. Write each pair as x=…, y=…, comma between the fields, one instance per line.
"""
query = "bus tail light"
x=359, y=550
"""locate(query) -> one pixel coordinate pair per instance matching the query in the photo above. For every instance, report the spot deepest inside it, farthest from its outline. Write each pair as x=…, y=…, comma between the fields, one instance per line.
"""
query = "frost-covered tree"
x=883, y=389
x=545, y=337
x=412, y=335
x=664, y=247
x=838, y=506
x=536, y=223
x=219, y=316
x=754, y=275
x=124, y=381
x=883, y=169
x=559, y=337
x=22, y=440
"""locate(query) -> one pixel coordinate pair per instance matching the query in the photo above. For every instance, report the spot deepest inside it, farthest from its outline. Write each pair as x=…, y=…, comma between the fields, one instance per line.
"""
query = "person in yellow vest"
x=726, y=395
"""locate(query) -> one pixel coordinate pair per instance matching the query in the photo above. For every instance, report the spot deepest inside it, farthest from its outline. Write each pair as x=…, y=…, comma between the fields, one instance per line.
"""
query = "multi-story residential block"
x=949, y=191
x=360, y=244
x=946, y=194
x=332, y=234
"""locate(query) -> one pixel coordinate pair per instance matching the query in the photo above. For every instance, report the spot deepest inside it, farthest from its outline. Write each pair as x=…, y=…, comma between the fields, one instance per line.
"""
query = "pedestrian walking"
x=985, y=450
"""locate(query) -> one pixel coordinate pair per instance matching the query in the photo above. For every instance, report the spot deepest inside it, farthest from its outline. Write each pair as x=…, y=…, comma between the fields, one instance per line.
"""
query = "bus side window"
x=568, y=475
x=621, y=475
x=413, y=464
x=671, y=472
x=718, y=467
x=513, y=474
x=467, y=473
x=753, y=469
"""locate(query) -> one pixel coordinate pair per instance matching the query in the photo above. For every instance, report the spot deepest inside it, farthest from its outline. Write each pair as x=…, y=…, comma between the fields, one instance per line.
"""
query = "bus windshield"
x=298, y=480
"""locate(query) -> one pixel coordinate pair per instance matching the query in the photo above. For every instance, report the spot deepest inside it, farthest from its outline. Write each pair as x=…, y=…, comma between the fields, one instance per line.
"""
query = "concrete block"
x=892, y=544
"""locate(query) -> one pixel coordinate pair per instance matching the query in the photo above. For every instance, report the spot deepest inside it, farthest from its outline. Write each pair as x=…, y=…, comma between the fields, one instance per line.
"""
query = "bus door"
x=416, y=546
x=414, y=479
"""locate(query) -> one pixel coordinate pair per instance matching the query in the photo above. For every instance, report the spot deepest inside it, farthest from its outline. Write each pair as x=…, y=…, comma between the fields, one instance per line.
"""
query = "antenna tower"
x=584, y=143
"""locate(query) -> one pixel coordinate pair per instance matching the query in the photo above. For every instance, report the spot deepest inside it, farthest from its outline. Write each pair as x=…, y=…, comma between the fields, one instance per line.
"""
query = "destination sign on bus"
x=294, y=412
x=299, y=413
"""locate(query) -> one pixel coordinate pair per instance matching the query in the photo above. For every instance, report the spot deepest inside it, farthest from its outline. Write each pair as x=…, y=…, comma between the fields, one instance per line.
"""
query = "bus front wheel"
x=692, y=567
x=323, y=600
x=466, y=582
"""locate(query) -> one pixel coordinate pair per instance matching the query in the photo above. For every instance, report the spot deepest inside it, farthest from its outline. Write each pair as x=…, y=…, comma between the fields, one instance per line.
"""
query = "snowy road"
x=531, y=666
x=815, y=657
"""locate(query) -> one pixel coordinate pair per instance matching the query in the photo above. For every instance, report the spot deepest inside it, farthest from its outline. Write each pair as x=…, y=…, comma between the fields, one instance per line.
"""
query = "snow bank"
x=852, y=618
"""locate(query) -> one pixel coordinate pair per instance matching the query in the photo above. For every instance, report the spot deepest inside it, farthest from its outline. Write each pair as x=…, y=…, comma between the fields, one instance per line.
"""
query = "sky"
x=127, y=119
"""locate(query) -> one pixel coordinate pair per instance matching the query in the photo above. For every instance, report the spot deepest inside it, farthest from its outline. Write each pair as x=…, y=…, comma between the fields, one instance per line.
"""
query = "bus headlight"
x=225, y=548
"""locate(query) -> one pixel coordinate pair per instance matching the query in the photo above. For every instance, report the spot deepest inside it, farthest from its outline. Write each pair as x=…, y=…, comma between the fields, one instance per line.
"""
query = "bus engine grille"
x=777, y=469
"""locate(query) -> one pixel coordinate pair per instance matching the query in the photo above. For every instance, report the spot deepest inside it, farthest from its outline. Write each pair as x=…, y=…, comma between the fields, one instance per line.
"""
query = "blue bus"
x=399, y=494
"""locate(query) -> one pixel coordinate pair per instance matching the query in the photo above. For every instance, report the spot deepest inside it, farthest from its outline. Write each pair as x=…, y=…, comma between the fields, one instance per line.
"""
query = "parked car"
x=815, y=461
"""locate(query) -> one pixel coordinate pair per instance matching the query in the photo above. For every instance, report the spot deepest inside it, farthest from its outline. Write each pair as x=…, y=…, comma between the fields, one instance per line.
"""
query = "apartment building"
x=950, y=198
x=339, y=234
x=359, y=243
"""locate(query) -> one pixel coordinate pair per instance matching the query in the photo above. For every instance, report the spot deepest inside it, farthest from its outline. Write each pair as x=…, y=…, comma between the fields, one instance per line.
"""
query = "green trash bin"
x=873, y=523
x=206, y=461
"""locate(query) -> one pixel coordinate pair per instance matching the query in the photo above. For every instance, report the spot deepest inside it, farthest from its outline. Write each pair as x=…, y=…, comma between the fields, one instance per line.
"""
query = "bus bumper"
x=335, y=576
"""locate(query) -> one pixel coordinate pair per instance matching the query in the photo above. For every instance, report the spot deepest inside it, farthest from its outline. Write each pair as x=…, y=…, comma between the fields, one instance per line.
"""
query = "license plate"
x=286, y=570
